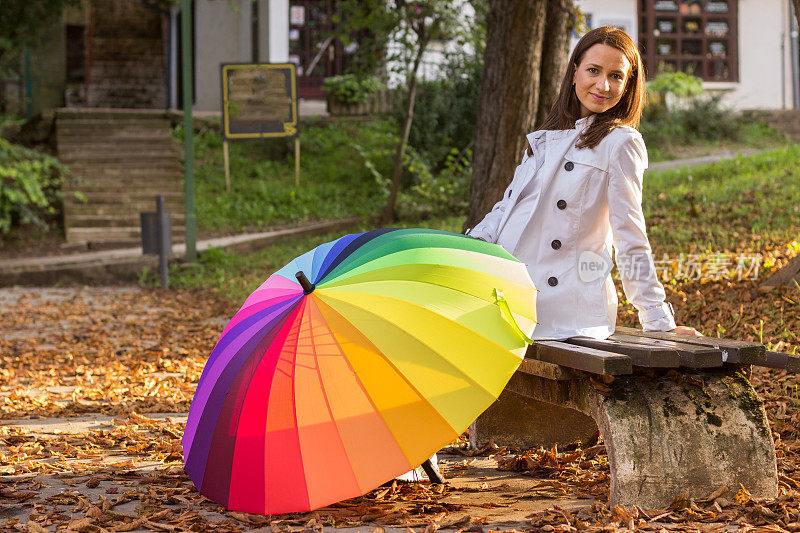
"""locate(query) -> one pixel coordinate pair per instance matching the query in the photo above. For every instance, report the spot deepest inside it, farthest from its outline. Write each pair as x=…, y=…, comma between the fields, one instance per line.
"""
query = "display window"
x=694, y=36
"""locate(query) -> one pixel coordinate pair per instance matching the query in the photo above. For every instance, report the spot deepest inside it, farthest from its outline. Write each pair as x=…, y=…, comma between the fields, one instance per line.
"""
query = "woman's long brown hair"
x=628, y=111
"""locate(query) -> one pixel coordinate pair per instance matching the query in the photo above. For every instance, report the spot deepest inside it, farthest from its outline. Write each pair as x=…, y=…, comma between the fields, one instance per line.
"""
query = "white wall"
x=223, y=35
x=620, y=13
x=276, y=29
x=763, y=27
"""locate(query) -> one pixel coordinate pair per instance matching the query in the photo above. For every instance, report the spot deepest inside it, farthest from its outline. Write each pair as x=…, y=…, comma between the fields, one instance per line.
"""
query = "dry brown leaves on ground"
x=113, y=351
x=127, y=351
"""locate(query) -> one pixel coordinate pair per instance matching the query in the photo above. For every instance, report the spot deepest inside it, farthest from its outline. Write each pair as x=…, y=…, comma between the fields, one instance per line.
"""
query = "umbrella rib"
x=256, y=364
x=400, y=372
x=387, y=360
x=455, y=289
x=327, y=401
x=466, y=330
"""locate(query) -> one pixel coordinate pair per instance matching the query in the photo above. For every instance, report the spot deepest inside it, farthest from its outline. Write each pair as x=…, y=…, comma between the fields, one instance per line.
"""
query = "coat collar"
x=580, y=125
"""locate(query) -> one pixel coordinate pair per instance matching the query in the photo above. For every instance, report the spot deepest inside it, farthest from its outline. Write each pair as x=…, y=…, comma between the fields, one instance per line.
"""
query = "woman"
x=577, y=191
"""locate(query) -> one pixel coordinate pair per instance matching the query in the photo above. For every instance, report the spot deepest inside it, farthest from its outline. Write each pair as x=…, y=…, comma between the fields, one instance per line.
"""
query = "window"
x=695, y=36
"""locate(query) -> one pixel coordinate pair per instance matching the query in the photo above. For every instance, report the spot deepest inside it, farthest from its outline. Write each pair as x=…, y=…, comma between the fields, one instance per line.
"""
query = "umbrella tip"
x=308, y=287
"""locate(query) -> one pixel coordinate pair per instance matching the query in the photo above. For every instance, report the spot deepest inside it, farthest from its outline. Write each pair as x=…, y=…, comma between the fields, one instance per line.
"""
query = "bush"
x=30, y=186
x=444, y=193
x=680, y=84
x=702, y=121
x=352, y=89
x=445, y=112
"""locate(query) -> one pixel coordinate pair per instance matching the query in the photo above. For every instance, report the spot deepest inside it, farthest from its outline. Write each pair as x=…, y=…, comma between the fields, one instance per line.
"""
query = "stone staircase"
x=119, y=160
x=786, y=121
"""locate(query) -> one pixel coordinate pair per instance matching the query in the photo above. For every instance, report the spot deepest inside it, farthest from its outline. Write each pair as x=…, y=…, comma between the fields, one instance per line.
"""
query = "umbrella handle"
x=500, y=300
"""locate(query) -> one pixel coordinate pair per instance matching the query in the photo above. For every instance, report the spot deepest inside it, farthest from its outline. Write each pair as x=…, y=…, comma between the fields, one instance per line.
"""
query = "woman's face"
x=600, y=79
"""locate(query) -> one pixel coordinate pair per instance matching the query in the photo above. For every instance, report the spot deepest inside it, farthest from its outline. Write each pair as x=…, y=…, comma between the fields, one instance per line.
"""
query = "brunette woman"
x=578, y=191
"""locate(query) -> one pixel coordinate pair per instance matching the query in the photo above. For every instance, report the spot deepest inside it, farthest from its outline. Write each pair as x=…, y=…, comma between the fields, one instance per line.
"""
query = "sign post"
x=259, y=101
x=188, y=129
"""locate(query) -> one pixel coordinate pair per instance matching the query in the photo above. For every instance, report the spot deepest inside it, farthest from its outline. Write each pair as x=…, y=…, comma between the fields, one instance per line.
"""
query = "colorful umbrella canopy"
x=353, y=364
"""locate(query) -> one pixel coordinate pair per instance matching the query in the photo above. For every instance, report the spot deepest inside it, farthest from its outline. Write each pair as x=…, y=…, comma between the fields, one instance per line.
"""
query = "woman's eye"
x=592, y=70
x=618, y=76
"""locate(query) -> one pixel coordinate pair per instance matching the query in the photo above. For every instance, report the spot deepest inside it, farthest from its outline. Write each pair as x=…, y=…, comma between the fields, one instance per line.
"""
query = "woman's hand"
x=686, y=330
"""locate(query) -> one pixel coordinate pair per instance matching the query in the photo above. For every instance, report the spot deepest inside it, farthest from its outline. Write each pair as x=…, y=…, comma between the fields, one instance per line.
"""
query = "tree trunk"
x=559, y=22
x=388, y=215
x=508, y=100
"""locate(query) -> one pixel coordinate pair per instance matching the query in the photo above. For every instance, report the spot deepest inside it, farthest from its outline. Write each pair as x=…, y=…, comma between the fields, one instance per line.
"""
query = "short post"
x=226, y=161
x=157, y=237
x=297, y=161
x=164, y=240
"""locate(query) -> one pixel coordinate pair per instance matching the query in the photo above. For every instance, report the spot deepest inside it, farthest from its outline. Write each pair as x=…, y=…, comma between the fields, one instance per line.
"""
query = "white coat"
x=588, y=200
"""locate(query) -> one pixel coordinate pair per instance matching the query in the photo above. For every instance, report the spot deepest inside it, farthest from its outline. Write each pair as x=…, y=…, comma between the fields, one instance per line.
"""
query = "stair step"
x=130, y=234
x=67, y=135
x=71, y=114
x=119, y=221
x=164, y=154
x=120, y=211
x=127, y=170
x=127, y=163
x=144, y=192
x=94, y=197
x=110, y=143
x=119, y=160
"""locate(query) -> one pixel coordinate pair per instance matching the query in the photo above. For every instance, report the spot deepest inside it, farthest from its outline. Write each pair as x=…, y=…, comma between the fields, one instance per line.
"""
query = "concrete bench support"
x=665, y=436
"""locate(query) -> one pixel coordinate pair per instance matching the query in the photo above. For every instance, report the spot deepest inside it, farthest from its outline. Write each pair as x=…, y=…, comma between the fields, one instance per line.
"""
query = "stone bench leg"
x=665, y=437
x=517, y=420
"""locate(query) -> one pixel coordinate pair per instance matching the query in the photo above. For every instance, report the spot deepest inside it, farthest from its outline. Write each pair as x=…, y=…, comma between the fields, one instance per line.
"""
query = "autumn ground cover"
x=128, y=354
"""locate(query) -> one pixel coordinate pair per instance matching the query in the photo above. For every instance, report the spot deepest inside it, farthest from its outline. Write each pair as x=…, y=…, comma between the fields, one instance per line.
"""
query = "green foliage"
x=29, y=185
x=443, y=193
x=701, y=122
x=680, y=84
x=445, y=111
x=367, y=24
x=23, y=23
x=352, y=89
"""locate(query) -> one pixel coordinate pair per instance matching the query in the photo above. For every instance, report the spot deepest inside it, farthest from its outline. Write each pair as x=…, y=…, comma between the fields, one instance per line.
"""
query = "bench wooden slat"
x=743, y=352
x=640, y=355
x=782, y=361
x=691, y=355
x=546, y=370
x=580, y=358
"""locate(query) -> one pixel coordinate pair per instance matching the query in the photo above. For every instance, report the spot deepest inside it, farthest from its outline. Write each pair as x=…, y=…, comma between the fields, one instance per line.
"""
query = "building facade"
x=746, y=49
x=127, y=53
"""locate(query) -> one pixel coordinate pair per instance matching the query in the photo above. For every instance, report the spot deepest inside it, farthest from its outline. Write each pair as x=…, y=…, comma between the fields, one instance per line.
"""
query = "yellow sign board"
x=259, y=100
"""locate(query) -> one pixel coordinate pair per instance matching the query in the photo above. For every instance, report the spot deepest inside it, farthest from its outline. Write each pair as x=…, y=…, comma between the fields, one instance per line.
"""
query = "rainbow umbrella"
x=353, y=364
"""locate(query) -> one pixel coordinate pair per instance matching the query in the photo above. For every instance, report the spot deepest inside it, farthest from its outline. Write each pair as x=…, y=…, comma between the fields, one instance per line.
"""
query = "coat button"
x=556, y=244
x=552, y=281
x=569, y=165
x=561, y=204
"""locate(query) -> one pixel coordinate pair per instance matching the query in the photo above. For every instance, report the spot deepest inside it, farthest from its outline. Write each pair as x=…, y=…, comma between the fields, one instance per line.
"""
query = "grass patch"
x=335, y=182
x=236, y=275
x=702, y=127
x=740, y=205
x=746, y=205
x=751, y=135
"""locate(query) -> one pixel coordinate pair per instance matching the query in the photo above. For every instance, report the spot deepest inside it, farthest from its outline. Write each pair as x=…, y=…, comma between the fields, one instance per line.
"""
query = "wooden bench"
x=676, y=412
